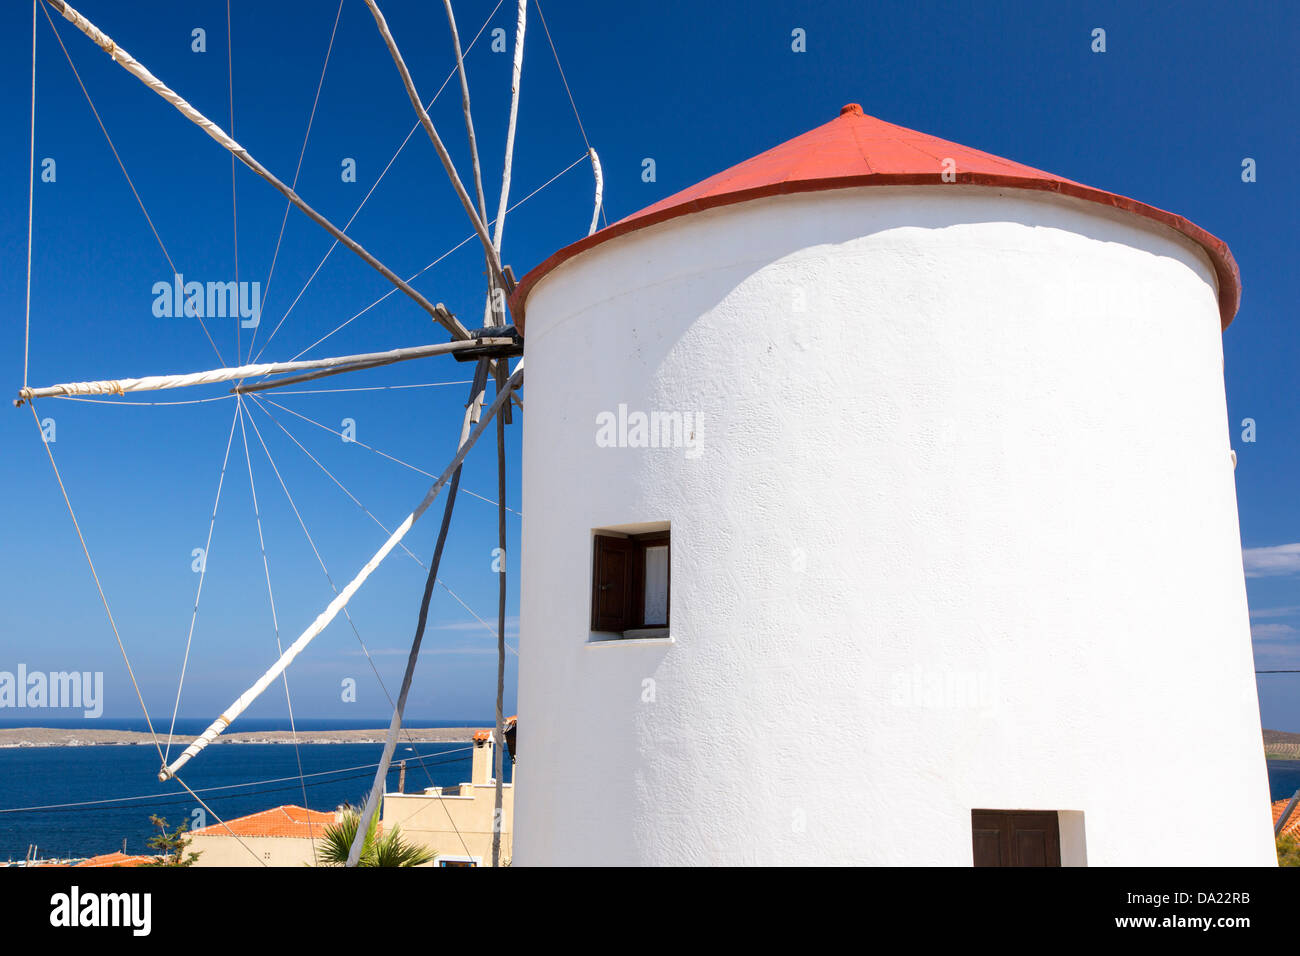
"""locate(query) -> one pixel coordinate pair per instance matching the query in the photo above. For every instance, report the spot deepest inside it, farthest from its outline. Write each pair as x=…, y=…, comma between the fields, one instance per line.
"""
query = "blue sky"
x=1183, y=93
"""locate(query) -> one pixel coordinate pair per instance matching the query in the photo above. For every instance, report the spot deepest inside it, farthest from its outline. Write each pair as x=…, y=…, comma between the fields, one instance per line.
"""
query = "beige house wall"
x=456, y=822
x=225, y=850
x=453, y=822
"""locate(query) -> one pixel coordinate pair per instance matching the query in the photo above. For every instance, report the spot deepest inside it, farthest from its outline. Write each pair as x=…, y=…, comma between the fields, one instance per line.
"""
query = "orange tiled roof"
x=483, y=736
x=1293, y=825
x=286, y=821
x=115, y=859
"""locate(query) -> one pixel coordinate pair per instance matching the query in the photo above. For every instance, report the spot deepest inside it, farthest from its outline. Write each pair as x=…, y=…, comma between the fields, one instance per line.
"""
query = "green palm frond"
x=392, y=849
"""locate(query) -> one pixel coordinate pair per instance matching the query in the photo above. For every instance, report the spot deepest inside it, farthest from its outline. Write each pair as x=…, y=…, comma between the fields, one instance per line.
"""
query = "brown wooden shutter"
x=987, y=833
x=1016, y=837
x=611, y=608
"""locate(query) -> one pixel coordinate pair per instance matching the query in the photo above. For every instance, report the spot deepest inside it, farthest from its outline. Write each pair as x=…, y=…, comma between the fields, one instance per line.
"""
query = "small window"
x=630, y=583
x=1016, y=837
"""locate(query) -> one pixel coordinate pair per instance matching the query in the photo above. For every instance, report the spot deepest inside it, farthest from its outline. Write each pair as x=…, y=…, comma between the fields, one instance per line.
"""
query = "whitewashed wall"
x=960, y=533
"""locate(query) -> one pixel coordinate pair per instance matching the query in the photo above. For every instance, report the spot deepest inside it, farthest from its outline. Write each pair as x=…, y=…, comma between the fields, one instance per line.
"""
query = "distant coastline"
x=52, y=737
x=1280, y=745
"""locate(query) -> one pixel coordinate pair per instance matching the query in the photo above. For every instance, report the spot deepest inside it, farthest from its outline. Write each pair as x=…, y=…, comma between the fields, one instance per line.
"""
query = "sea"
x=72, y=802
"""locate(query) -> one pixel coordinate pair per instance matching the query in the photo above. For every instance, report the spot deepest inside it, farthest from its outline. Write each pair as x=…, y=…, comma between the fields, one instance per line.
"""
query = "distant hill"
x=1280, y=745
x=48, y=737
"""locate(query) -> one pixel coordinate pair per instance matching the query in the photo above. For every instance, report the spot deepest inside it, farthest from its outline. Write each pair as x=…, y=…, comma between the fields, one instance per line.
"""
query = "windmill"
x=954, y=407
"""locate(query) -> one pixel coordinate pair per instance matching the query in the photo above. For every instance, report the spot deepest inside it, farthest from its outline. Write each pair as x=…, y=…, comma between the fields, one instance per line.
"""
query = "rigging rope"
x=565, y=80
x=382, y=454
x=203, y=571
x=469, y=116
x=367, y=388
x=270, y=594
x=320, y=559
x=384, y=528
x=311, y=118
x=415, y=126
x=95, y=574
x=390, y=741
x=226, y=825
x=331, y=611
x=227, y=786
x=136, y=69
x=328, y=577
x=129, y=181
x=234, y=200
x=494, y=261
x=31, y=196
x=505, y=389
x=434, y=262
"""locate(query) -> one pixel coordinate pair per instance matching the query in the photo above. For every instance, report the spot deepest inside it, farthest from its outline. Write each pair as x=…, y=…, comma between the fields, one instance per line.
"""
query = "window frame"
x=633, y=547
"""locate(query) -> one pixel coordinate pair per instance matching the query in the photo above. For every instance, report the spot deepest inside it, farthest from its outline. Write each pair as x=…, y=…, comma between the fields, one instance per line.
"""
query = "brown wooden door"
x=1016, y=837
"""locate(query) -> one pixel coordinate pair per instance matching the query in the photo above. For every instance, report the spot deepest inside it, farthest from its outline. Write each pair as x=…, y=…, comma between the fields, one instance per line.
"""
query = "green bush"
x=1288, y=851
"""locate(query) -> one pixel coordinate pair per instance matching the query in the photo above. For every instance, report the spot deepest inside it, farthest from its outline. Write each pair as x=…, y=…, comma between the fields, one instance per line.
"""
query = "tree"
x=1288, y=850
x=171, y=846
x=391, y=849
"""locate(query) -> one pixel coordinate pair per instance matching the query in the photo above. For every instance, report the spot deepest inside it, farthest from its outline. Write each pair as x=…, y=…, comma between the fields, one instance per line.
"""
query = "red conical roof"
x=859, y=150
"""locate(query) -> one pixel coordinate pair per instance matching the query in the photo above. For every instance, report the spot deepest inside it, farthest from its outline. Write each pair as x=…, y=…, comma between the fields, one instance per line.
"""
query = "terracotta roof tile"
x=285, y=821
x=1293, y=825
x=116, y=859
x=483, y=736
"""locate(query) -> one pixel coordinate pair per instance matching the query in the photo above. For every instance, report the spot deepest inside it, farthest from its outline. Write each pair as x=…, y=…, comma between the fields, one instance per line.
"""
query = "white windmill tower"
x=880, y=509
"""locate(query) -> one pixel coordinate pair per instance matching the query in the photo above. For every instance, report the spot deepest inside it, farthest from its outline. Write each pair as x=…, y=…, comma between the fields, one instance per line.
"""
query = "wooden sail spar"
x=493, y=260
x=600, y=189
x=341, y=363
x=493, y=316
x=341, y=599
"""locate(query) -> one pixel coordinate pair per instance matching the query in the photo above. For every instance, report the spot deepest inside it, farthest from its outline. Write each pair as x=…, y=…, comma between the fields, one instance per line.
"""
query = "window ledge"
x=661, y=640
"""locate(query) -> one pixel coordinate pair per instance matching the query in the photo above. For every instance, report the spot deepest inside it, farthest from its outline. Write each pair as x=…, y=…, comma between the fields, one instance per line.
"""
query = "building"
x=282, y=836
x=456, y=822
x=117, y=859
x=102, y=860
x=931, y=449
